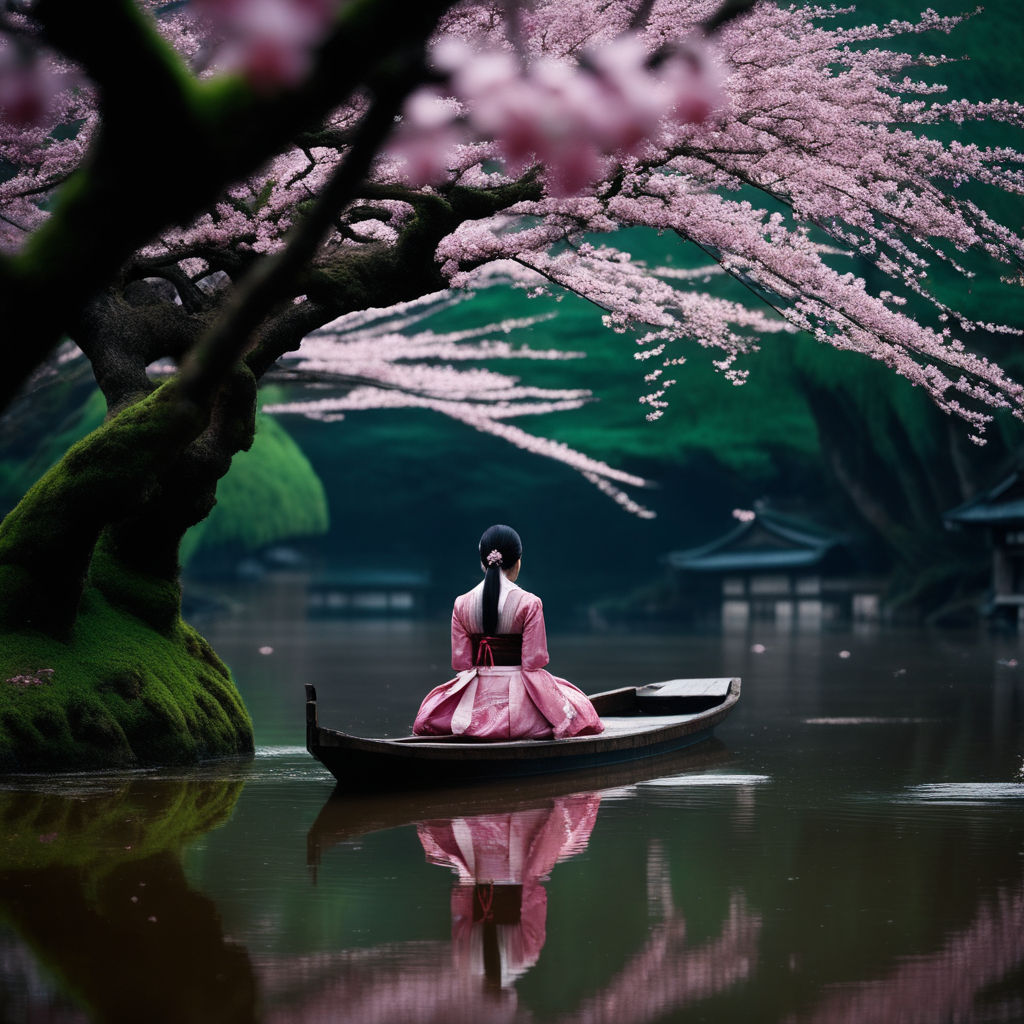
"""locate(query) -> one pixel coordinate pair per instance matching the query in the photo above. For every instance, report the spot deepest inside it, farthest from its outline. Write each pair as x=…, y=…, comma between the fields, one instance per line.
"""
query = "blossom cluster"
x=834, y=137
x=27, y=85
x=570, y=117
x=41, y=677
x=270, y=42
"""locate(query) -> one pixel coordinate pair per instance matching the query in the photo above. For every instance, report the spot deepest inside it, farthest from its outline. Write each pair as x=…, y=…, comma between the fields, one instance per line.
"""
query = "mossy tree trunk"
x=89, y=565
x=47, y=541
x=96, y=666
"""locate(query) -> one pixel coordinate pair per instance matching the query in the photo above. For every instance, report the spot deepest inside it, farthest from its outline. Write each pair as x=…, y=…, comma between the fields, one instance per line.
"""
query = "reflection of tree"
x=942, y=986
x=667, y=975
x=94, y=885
x=414, y=983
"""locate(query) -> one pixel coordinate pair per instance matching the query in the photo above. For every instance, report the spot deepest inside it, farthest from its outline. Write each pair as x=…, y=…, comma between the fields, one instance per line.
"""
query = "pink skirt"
x=506, y=702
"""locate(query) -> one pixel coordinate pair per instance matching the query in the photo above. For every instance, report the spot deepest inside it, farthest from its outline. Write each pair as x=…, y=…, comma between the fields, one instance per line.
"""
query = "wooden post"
x=312, y=724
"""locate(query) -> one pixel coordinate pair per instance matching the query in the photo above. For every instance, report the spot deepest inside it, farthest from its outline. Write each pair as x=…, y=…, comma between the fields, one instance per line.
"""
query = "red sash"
x=500, y=649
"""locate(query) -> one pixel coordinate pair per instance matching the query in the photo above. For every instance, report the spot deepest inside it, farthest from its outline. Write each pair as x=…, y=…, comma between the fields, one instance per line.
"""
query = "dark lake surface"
x=850, y=848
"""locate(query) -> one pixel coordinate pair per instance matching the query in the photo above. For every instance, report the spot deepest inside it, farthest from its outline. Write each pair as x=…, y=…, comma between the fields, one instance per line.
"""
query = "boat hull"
x=641, y=722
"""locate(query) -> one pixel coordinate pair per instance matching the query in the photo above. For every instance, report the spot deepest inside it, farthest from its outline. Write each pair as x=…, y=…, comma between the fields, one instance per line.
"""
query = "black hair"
x=505, y=541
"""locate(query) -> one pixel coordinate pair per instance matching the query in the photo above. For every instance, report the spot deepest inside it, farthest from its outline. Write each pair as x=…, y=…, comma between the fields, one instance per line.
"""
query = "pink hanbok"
x=502, y=690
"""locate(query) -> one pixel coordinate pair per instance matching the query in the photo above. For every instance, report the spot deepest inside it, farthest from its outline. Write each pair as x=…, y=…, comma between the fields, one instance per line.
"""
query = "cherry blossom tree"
x=300, y=161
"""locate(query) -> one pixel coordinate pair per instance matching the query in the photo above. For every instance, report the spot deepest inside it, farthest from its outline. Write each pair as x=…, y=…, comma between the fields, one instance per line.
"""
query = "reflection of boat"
x=640, y=722
x=347, y=816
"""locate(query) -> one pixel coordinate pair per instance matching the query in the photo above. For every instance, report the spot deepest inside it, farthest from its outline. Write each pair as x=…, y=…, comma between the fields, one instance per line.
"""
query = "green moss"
x=82, y=422
x=271, y=493
x=47, y=436
x=121, y=694
x=49, y=536
x=155, y=600
x=97, y=831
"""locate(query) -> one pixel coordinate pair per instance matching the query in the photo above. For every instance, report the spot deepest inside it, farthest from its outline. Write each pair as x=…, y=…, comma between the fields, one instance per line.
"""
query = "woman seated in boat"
x=499, y=650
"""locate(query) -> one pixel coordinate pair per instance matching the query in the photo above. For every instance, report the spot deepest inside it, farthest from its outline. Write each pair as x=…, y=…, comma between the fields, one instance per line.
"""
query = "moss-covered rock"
x=47, y=540
x=117, y=694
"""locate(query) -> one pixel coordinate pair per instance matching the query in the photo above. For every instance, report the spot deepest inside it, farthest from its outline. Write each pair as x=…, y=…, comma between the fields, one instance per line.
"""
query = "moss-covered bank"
x=120, y=694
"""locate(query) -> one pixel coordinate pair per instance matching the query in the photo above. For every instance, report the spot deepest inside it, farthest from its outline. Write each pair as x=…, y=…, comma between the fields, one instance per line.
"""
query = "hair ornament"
x=494, y=558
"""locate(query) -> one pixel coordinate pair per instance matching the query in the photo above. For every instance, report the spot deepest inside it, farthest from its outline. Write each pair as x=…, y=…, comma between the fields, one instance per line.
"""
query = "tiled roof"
x=768, y=541
x=1003, y=503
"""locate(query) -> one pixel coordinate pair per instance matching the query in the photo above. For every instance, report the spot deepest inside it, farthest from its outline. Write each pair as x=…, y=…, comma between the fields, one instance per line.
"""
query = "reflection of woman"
x=499, y=907
x=499, y=649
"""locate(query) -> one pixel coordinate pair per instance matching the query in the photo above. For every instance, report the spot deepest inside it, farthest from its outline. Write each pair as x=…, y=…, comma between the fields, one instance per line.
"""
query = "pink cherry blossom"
x=271, y=42
x=803, y=158
x=569, y=116
x=27, y=86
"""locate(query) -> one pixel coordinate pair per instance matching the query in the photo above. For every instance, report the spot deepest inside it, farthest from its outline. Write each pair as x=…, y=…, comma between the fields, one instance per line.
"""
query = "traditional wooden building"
x=774, y=567
x=1000, y=511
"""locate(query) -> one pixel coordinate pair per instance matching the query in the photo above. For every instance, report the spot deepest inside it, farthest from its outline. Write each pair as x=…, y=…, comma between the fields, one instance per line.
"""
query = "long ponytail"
x=500, y=548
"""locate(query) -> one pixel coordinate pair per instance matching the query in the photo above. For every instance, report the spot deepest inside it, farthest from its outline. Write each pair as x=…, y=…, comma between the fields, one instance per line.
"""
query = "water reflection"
x=91, y=883
x=499, y=905
x=855, y=854
x=959, y=982
x=503, y=859
x=671, y=973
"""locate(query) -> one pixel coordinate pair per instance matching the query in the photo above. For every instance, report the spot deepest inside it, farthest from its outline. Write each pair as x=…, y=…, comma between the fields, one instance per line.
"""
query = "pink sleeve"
x=462, y=646
x=535, y=641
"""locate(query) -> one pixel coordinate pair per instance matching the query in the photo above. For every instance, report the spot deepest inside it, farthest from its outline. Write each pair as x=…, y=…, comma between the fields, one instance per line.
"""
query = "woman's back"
x=502, y=690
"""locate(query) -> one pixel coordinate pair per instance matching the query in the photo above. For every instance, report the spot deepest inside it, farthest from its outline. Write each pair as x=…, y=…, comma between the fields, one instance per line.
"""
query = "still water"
x=850, y=848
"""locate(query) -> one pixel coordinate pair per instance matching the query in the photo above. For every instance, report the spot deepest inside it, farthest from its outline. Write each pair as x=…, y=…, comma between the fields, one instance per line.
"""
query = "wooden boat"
x=639, y=722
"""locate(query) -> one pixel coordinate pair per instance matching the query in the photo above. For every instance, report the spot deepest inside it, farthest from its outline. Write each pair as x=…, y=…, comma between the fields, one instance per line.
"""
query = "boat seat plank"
x=686, y=688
